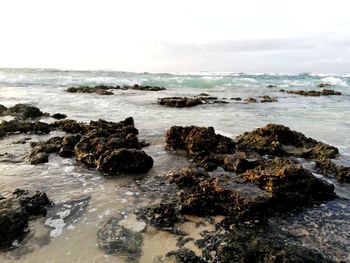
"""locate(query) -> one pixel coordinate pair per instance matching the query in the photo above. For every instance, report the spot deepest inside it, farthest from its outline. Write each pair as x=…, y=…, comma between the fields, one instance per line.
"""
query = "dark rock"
x=70, y=126
x=100, y=90
x=255, y=244
x=180, y=102
x=39, y=157
x=203, y=95
x=162, y=216
x=313, y=93
x=112, y=147
x=286, y=179
x=24, y=111
x=267, y=99
x=327, y=167
x=144, y=144
x=59, y=116
x=3, y=110
x=198, y=141
x=324, y=85
x=181, y=241
x=124, y=160
x=283, y=185
x=220, y=195
x=35, y=203
x=116, y=239
x=250, y=100
x=68, y=144
x=184, y=255
x=146, y=88
x=14, y=126
x=279, y=140
x=106, y=90
x=238, y=165
x=236, y=98
x=16, y=211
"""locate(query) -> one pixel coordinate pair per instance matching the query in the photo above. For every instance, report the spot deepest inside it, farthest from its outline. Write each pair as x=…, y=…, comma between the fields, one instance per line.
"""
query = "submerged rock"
x=279, y=140
x=16, y=211
x=313, y=93
x=114, y=238
x=162, y=216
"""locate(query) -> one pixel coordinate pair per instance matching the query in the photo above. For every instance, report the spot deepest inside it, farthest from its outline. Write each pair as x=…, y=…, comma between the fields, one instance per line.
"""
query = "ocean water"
x=325, y=118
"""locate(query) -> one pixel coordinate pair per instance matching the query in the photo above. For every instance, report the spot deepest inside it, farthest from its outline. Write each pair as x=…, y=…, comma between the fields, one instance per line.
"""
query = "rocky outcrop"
x=182, y=102
x=22, y=111
x=313, y=93
x=198, y=141
x=17, y=126
x=108, y=146
x=59, y=116
x=107, y=90
x=281, y=187
x=279, y=140
x=100, y=90
x=124, y=160
x=328, y=168
x=15, y=213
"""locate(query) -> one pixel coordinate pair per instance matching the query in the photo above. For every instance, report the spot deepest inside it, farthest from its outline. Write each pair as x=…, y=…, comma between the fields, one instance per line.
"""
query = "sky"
x=177, y=36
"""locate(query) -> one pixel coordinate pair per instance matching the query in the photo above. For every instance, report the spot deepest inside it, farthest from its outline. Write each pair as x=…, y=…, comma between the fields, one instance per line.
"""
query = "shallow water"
x=70, y=235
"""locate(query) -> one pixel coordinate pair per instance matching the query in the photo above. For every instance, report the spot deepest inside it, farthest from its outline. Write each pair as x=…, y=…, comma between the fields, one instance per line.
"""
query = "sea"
x=70, y=235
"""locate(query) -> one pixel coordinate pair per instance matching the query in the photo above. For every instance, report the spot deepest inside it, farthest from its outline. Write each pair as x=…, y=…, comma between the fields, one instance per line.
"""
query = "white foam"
x=64, y=214
x=335, y=81
x=57, y=225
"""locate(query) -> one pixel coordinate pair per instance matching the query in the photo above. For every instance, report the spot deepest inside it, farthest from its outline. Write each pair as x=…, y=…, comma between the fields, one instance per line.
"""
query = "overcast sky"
x=159, y=35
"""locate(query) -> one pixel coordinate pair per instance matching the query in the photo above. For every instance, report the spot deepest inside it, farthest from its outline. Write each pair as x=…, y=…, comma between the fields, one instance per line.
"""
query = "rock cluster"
x=108, y=146
x=257, y=180
x=16, y=211
x=17, y=126
x=22, y=111
x=107, y=90
x=313, y=93
x=182, y=102
x=279, y=140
